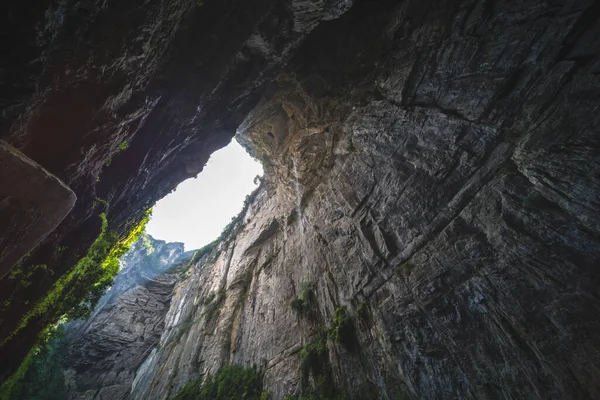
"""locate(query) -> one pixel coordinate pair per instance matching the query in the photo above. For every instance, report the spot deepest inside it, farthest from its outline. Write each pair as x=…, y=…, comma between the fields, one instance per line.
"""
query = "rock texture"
x=122, y=100
x=434, y=169
x=105, y=351
x=27, y=216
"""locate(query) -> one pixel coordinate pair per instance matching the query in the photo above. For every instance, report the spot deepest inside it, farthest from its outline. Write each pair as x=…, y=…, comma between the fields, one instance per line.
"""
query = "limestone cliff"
x=429, y=211
x=104, y=352
x=120, y=101
x=435, y=171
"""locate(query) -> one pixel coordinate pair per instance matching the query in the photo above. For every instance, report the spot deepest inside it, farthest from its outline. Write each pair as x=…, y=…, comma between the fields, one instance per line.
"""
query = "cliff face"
x=431, y=191
x=120, y=101
x=104, y=352
x=435, y=171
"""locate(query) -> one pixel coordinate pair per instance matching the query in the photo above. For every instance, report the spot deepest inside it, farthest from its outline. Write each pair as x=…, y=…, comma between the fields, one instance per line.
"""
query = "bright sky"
x=200, y=208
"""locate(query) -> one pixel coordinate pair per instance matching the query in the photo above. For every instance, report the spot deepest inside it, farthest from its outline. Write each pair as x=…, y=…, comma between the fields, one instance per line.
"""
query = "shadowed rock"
x=32, y=204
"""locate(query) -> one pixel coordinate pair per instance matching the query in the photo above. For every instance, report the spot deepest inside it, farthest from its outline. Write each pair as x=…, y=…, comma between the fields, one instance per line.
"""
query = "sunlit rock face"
x=121, y=101
x=434, y=169
x=104, y=352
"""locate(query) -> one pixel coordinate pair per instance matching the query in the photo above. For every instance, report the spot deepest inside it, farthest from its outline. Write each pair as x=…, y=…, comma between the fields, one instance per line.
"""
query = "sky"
x=200, y=208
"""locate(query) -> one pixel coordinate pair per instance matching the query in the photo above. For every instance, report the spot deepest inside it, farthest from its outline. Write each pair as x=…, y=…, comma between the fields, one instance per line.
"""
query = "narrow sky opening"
x=200, y=208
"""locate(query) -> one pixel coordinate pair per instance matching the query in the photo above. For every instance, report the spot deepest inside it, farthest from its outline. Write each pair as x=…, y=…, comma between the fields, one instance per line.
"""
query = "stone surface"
x=447, y=180
x=122, y=100
x=434, y=168
x=32, y=204
x=105, y=351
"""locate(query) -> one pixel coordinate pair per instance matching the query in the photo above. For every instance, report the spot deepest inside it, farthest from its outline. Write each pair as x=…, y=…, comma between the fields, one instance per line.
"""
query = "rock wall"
x=434, y=168
x=104, y=352
x=121, y=101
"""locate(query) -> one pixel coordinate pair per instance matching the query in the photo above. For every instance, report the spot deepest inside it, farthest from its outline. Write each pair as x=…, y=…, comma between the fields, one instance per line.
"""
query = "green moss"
x=103, y=202
x=76, y=293
x=122, y=146
x=342, y=329
x=404, y=267
x=305, y=304
x=230, y=382
x=312, y=357
x=183, y=328
x=40, y=374
x=314, y=361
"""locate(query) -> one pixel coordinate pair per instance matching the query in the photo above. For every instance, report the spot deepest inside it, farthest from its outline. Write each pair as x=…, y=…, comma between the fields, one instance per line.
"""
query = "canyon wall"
x=432, y=181
x=120, y=101
x=103, y=352
x=434, y=172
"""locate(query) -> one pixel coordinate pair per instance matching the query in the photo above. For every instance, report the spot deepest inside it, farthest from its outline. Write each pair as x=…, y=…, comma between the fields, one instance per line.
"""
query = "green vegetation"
x=305, y=304
x=98, y=200
x=183, y=328
x=147, y=244
x=122, y=146
x=231, y=382
x=76, y=293
x=314, y=361
x=342, y=329
x=39, y=376
x=404, y=267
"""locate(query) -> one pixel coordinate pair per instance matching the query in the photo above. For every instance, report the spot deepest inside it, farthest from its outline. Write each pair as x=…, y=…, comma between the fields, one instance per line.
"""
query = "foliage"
x=76, y=293
x=98, y=200
x=184, y=328
x=305, y=303
x=230, y=382
x=313, y=357
x=147, y=244
x=122, y=146
x=405, y=266
x=40, y=375
x=314, y=360
x=342, y=328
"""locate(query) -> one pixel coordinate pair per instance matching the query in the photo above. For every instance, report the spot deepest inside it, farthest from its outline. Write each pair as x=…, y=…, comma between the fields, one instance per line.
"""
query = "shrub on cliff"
x=230, y=382
x=305, y=303
x=342, y=329
x=75, y=294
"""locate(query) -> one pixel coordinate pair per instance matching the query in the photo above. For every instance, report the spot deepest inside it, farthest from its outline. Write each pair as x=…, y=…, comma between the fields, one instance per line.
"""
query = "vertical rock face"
x=433, y=169
x=121, y=101
x=27, y=217
x=105, y=351
x=432, y=173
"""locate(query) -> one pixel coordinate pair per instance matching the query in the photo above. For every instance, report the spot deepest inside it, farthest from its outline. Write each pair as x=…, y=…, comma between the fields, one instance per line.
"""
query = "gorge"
x=427, y=226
